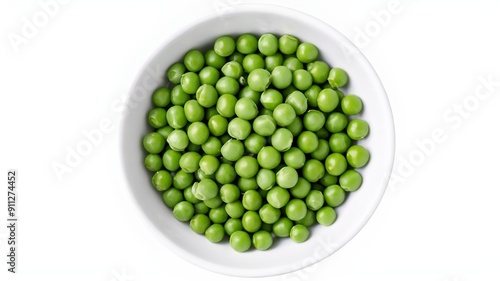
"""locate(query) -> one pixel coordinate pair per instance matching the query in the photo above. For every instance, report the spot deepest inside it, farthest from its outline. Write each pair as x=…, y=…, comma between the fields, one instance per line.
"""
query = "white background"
x=438, y=221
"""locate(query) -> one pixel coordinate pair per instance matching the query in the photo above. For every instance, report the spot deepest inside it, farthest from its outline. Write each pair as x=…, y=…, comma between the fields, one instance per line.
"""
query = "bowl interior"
x=285, y=256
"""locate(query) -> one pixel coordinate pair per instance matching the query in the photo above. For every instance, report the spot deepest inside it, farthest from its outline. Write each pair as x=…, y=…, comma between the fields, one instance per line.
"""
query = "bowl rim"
x=242, y=8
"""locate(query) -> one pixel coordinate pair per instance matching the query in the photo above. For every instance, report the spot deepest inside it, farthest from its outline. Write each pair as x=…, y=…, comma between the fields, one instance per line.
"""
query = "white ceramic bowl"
x=285, y=256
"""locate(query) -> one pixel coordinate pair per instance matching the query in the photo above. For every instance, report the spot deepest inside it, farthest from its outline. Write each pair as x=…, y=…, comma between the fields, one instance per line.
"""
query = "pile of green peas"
x=254, y=140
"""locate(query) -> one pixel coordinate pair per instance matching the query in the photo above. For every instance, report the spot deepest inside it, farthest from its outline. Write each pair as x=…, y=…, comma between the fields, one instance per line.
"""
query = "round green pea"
x=190, y=82
x=199, y=223
x=357, y=129
x=284, y=114
x=319, y=71
x=254, y=143
x=209, y=76
x=271, y=98
x=302, y=79
x=307, y=141
x=252, y=200
x=357, y=156
x=215, y=233
x=282, y=139
x=246, y=109
x=339, y=142
x=259, y=79
x=225, y=174
x=183, y=211
x=334, y=195
x=214, y=60
x=153, y=142
x=172, y=196
x=175, y=71
x=307, y=52
x=287, y=177
x=298, y=101
x=176, y=117
x=299, y=233
x=153, y=162
x=313, y=170
x=282, y=227
x=225, y=105
x=294, y=158
x=232, y=225
x=229, y=193
x=217, y=125
x=262, y=240
x=246, y=167
x=161, y=97
x=194, y=60
x=314, y=120
x=315, y=200
x=251, y=221
x=224, y=46
x=296, y=209
x=301, y=189
x=268, y=44
x=206, y=95
x=212, y=146
x=240, y=241
x=206, y=189
x=288, y=44
x=336, y=122
x=193, y=111
x=198, y=133
x=350, y=180
x=171, y=160
x=351, y=105
x=268, y=157
x=246, y=43
x=239, y=128
x=189, y=162
x=278, y=197
x=235, y=209
x=337, y=77
x=327, y=100
x=326, y=216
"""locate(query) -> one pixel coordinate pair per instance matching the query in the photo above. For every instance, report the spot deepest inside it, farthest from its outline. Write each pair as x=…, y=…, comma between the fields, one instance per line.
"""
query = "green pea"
x=334, y=195
x=217, y=125
x=209, y=75
x=351, y=105
x=266, y=179
x=215, y=233
x=246, y=167
x=153, y=162
x=161, y=97
x=259, y=79
x=350, y=180
x=224, y=46
x=278, y=197
x=225, y=105
x=193, y=111
x=218, y=215
x=315, y=200
x=282, y=139
x=281, y=77
x=293, y=63
x=319, y=71
x=254, y=143
x=190, y=82
x=301, y=189
x=314, y=120
x=194, y=60
x=232, y=69
x=307, y=52
x=246, y=43
x=299, y=233
x=308, y=220
x=206, y=189
x=322, y=151
x=273, y=61
x=288, y=44
x=357, y=129
x=294, y=158
x=296, y=209
x=165, y=131
x=239, y=128
x=229, y=193
x=251, y=221
x=302, y=79
x=212, y=146
x=183, y=211
x=296, y=127
x=227, y=85
x=284, y=114
x=327, y=100
x=262, y=240
x=213, y=203
x=178, y=96
x=337, y=77
x=182, y=179
x=171, y=160
x=201, y=208
x=214, y=60
x=307, y=141
x=298, y=101
x=282, y=227
x=246, y=184
x=176, y=117
x=252, y=62
x=246, y=109
x=326, y=216
x=232, y=225
x=339, y=142
x=269, y=214
x=357, y=156
x=268, y=157
x=236, y=57
x=336, y=122
x=268, y=44
x=271, y=98
x=247, y=92
x=209, y=164
x=189, y=162
x=235, y=209
x=199, y=223
x=312, y=95
x=328, y=180
x=189, y=195
x=240, y=241
x=225, y=174
x=171, y=197
x=175, y=71
x=287, y=177
x=209, y=112
x=153, y=142
x=206, y=95
x=313, y=170
x=252, y=200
